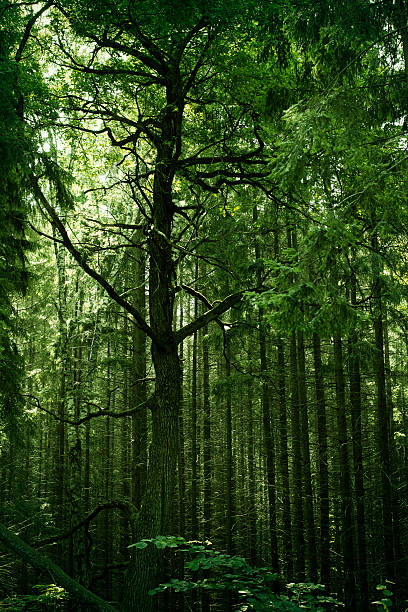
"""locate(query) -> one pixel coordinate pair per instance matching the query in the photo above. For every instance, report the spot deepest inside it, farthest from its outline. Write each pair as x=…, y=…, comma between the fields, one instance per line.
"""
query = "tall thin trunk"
x=269, y=442
x=194, y=430
x=322, y=465
x=181, y=457
x=60, y=459
x=283, y=462
x=345, y=495
x=206, y=436
x=298, y=542
x=229, y=466
x=309, y=524
x=138, y=388
x=383, y=418
x=358, y=466
x=269, y=434
x=251, y=478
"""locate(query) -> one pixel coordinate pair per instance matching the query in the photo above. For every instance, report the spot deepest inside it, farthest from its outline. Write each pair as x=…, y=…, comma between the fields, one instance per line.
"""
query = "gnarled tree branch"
x=44, y=564
x=79, y=258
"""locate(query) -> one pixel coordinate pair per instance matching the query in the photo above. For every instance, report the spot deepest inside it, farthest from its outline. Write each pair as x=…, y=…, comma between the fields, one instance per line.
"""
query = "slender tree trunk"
x=229, y=467
x=181, y=457
x=322, y=469
x=251, y=479
x=269, y=442
x=298, y=543
x=310, y=536
x=345, y=501
x=383, y=418
x=358, y=467
x=194, y=430
x=206, y=436
x=269, y=435
x=138, y=388
x=79, y=593
x=60, y=476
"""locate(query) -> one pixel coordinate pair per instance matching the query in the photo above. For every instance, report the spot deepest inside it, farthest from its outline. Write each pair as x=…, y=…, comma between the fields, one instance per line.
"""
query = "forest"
x=203, y=305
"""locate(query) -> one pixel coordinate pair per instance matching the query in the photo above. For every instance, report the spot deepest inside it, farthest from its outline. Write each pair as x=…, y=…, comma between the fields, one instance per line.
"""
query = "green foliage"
x=14, y=146
x=255, y=588
x=385, y=602
x=50, y=598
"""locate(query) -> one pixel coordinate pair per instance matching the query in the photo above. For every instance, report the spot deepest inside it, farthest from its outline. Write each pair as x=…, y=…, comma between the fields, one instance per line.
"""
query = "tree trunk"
x=358, y=468
x=159, y=503
x=269, y=443
x=251, y=479
x=194, y=430
x=138, y=387
x=322, y=463
x=297, y=512
x=383, y=418
x=345, y=496
x=206, y=436
x=310, y=536
x=229, y=467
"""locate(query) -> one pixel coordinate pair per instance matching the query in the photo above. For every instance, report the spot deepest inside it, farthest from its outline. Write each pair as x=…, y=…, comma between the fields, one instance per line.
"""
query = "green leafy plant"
x=255, y=588
x=50, y=597
x=384, y=592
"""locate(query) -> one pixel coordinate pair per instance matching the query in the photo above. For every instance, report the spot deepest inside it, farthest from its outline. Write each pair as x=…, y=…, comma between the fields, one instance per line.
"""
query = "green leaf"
x=138, y=545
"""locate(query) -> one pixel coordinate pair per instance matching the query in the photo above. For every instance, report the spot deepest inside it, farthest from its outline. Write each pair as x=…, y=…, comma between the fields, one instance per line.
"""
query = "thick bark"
x=158, y=503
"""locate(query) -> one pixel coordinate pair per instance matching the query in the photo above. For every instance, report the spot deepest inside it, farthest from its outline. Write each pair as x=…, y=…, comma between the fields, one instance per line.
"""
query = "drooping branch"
x=150, y=62
x=28, y=28
x=44, y=564
x=79, y=258
x=197, y=294
x=210, y=315
x=91, y=415
x=126, y=507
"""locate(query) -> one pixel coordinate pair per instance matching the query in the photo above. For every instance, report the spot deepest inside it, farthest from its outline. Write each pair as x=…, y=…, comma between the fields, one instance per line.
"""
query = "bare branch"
x=28, y=28
x=198, y=295
x=150, y=402
x=126, y=507
x=56, y=221
x=210, y=315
